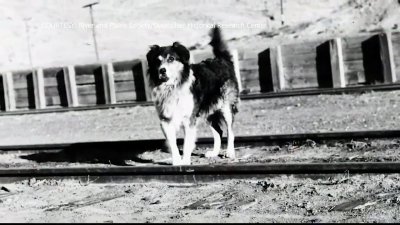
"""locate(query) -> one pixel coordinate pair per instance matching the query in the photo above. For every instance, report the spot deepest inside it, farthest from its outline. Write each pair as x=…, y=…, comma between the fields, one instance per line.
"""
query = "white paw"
x=211, y=154
x=230, y=153
x=186, y=162
x=177, y=162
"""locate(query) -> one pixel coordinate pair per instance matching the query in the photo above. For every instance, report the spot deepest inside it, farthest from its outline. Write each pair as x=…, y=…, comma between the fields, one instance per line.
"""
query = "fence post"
x=9, y=93
x=386, y=51
x=235, y=58
x=38, y=83
x=145, y=80
x=108, y=82
x=70, y=83
x=337, y=65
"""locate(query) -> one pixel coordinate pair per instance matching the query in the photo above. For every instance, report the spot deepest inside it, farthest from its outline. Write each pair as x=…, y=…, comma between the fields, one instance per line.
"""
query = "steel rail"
x=194, y=173
x=283, y=94
x=258, y=139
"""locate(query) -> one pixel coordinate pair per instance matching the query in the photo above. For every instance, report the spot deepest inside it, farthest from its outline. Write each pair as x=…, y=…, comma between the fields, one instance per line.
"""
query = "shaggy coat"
x=183, y=93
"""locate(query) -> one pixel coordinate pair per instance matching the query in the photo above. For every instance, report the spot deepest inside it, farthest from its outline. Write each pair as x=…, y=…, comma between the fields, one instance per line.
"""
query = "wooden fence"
x=320, y=64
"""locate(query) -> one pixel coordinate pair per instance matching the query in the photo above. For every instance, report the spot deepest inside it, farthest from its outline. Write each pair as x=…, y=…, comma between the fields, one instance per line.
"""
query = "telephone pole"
x=28, y=41
x=93, y=28
x=282, y=16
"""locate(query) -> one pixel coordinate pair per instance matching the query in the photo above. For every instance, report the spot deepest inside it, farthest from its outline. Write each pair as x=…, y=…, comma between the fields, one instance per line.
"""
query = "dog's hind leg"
x=215, y=125
x=169, y=131
x=228, y=117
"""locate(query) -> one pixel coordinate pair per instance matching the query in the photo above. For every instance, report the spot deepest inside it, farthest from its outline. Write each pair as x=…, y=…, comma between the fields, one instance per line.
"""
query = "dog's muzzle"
x=163, y=74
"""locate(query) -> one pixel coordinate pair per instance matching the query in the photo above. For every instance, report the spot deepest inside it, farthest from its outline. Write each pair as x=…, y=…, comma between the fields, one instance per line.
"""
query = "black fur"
x=215, y=78
x=177, y=50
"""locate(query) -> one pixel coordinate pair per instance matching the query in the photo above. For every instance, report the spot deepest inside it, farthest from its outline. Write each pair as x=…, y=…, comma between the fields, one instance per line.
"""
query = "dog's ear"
x=182, y=51
x=152, y=53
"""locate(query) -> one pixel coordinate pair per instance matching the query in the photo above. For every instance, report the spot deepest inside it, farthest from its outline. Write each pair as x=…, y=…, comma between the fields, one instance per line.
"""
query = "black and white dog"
x=184, y=92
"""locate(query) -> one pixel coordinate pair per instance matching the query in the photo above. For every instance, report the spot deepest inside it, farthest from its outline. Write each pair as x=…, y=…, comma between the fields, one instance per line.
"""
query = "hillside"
x=304, y=20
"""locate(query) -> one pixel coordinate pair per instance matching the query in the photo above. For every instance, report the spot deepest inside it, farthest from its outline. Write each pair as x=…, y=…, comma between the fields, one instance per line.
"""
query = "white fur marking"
x=217, y=145
x=190, y=142
x=170, y=135
x=230, y=151
x=177, y=104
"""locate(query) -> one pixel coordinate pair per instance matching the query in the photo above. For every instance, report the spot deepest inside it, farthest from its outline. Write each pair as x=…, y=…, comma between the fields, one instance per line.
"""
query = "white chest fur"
x=174, y=103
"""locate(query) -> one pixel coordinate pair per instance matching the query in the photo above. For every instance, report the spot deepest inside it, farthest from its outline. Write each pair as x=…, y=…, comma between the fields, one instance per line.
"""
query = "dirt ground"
x=265, y=116
x=307, y=152
x=341, y=198
x=358, y=198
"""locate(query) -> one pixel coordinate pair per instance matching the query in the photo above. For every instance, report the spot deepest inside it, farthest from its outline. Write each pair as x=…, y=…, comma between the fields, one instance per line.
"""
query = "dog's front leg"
x=169, y=131
x=190, y=141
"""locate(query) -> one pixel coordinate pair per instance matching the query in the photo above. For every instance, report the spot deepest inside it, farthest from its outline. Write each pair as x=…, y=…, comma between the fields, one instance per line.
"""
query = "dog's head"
x=166, y=64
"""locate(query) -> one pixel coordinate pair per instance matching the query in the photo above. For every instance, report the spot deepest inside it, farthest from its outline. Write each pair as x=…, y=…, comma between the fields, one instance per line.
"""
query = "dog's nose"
x=163, y=71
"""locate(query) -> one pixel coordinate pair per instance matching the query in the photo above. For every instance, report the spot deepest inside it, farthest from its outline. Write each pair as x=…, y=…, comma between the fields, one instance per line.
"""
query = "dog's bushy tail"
x=220, y=48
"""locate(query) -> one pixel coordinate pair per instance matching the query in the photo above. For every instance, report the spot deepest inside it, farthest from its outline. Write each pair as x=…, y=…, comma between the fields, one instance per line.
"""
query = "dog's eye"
x=171, y=59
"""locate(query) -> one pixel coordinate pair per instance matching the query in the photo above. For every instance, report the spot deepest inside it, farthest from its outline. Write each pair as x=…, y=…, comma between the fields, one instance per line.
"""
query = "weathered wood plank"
x=38, y=84
x=108, y=83
x=147, y=88
x=235, y=58
x=271, y=70
x=299, y=62
x=53, y=101
x=352, y=56
x=125, y=65
x=252, y=86
x=307, y=56
x=387, y=58
x=302, y=82
x=355, y=77
x=22, y=103
x=52, y=92
x=248, y=64
x=125, y=86
x=337, y=64
x=247, y=75
x=300, y=48
x=90, y=99
x=127, y=96
x=22, y=79
x=51, y=72
x=396, y=52
x=354, y=66
x=86, y=69
x=277, y=68
x=70, y=86
x=353, y=42
x=54, y=79
x=8, y=89
x=21, y=93
x=248, y=55
x=292, y=71
x=88, y=89
x=84, y=79
x=123, y=76
x=54, y=97
x=50, y=82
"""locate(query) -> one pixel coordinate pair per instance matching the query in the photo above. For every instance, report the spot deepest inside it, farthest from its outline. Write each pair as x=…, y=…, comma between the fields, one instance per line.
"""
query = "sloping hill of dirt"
x=120, y=38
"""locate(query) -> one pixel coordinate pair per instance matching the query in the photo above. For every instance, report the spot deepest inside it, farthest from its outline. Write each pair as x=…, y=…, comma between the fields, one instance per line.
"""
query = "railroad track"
x=283, y=94
x=196, y=173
